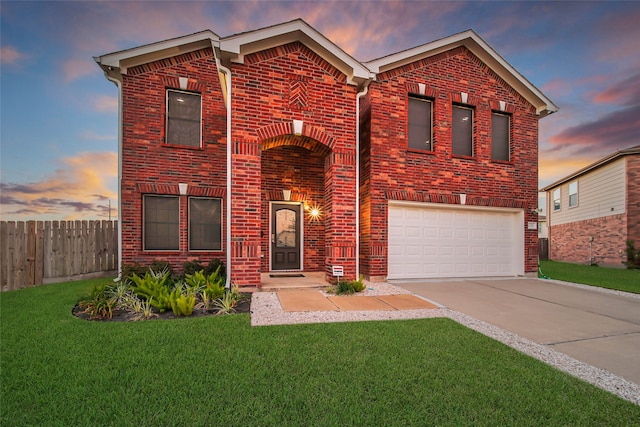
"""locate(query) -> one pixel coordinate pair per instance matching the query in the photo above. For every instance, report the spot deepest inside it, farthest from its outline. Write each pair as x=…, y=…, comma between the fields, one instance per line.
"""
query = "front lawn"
x=57, y=369
x=612, y=278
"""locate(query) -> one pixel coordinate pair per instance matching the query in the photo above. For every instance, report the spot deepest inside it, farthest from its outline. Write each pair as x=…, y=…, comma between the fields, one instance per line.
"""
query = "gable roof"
x=480, y=48
x=595, y=165
x=144, y=54
x=236, y=47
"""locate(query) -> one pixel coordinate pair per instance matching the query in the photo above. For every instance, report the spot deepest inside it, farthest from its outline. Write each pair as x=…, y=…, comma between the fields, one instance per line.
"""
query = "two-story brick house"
x=274, y=150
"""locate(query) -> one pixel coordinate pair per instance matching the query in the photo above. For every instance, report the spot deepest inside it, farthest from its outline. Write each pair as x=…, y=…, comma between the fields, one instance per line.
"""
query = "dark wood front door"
x=285, y=236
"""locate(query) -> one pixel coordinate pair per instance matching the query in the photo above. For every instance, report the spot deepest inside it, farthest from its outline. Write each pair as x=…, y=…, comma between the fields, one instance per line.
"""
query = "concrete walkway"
x=594, y=326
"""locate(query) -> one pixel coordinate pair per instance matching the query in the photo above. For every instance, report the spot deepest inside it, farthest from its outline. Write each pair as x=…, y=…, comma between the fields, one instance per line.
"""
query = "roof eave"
x=128, y=58
x=472, y=41
x=234, y=48
x=595, y=165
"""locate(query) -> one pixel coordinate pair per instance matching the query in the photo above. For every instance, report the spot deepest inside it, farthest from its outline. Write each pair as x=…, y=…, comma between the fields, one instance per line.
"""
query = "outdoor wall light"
x=314, y=213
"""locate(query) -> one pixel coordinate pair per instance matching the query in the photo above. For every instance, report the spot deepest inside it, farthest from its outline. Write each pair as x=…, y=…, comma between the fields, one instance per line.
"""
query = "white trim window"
x=500, y=136
x=205, y=224
x=184, y=119
x=161, y=223
x=573, y=194
x=556, y=199
x=420, y=123
x=462, y=131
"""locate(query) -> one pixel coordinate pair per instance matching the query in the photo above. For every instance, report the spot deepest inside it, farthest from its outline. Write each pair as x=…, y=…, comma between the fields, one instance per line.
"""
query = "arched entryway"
x=293, y=208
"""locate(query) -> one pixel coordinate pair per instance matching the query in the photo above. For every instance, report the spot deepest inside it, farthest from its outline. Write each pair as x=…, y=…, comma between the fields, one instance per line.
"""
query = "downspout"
x=118, y=83
x=358, y=97
x=227, y=72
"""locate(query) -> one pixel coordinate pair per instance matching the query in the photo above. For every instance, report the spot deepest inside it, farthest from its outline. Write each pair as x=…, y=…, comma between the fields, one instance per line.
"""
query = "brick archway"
x=285, y=132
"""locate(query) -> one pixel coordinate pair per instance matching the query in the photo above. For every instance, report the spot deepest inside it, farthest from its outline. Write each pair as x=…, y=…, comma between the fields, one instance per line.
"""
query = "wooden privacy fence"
x=37, y=252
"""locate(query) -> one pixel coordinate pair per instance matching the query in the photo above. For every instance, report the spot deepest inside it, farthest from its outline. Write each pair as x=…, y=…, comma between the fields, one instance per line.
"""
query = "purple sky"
x=58, y=114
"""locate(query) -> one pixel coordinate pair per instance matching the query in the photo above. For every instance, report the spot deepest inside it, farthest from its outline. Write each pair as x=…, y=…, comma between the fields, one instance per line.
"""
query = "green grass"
x=611, y=278
x=60, y=370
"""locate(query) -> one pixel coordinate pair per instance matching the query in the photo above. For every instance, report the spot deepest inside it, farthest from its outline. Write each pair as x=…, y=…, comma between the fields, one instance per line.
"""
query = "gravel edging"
x=266, y=310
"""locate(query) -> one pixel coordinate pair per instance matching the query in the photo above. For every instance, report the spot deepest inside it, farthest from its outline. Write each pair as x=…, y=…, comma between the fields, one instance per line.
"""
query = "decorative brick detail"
x=173, y=189
x=278, y=132
x=298, y=97
x=508, y=108
x=414, y=88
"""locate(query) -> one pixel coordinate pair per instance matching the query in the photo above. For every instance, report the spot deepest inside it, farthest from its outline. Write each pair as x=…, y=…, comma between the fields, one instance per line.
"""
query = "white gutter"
x=118, y=83
x=227, y=72
x=358, y=96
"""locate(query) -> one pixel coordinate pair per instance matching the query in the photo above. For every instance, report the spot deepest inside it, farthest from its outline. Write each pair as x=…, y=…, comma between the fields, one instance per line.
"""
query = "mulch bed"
x=244, y=306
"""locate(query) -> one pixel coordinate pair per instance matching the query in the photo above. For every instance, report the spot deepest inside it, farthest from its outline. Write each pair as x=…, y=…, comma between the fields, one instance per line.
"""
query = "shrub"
x=128, y=270
x=100, y=304
x=633, y=255
x=217, y=266
x=182, y=301
x=191, y=267
x=350, y=287
x=153, y=288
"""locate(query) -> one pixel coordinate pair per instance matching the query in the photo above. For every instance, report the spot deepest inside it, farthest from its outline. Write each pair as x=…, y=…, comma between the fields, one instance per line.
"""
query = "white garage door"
x=427, y=241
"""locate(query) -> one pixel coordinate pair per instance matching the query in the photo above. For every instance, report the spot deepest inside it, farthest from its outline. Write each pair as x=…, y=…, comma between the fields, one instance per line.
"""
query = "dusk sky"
x=58, y=116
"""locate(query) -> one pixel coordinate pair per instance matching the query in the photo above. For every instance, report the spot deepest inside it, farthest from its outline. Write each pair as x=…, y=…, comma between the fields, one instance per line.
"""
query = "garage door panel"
x=433, y=242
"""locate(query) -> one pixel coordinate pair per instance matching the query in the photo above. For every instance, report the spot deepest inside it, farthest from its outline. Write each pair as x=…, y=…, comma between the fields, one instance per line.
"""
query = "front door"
x=285, y=236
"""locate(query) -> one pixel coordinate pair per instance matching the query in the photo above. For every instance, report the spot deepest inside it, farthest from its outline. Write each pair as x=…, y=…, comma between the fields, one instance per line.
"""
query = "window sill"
x=502, y=162
x=417, y=151
x=457, y=156
x=185, y=147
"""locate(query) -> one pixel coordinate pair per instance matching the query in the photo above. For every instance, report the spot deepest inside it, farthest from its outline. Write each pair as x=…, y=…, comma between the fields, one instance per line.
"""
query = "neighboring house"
x=594, y=211
x=274, y=150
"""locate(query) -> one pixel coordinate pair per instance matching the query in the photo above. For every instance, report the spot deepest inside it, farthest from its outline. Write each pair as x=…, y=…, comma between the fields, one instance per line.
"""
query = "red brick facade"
x=599, y=240
x=149, y=166
x=273, y=92
x=392, y=171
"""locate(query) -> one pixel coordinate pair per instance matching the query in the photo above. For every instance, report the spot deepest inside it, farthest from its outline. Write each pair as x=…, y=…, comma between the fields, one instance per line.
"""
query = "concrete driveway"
x=598, y=328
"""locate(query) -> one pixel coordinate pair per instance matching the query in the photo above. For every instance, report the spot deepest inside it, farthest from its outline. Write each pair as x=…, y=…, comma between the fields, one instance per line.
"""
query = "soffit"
x=157, y=51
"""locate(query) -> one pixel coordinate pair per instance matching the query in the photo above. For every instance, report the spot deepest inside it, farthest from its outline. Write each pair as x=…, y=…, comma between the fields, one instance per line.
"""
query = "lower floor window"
x=161, y=224
x=205, y=224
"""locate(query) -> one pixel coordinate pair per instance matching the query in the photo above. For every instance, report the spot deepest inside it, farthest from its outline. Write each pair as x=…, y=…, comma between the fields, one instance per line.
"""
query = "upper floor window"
x=161, y=219
x=556, y=199
x=184, y=118
x=500, y=135
x=205, y=224
x=420, y=118
x=462, y=131
x=573, y=194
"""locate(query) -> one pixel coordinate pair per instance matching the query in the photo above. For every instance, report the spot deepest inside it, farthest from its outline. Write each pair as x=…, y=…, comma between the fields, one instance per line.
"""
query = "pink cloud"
x=77, y=190
x=11, y=56
x=625, y=92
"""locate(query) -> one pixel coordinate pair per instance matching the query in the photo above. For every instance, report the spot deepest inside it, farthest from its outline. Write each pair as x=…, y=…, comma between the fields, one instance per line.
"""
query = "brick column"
x=245, y=214
x=340, y=221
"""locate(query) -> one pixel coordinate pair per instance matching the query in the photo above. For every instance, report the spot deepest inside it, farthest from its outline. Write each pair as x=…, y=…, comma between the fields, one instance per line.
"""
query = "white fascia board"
x=240, y=45
x=159, y=50
x=472, y=41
